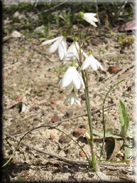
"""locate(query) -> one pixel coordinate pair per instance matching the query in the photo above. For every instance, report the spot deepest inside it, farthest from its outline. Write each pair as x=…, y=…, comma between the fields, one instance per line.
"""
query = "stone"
x=18, y=98
x=79, y=131
x=63, y=138
x=81, y=153
x=83, y=97
x=85, y=123
x=114, y=69
x=55, y=118
x=53, y=102
x=69, y=114
x=53, y=136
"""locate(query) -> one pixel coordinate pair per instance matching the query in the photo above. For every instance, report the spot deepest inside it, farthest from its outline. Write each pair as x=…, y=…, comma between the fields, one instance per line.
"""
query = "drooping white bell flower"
x=90, y=18
x=60, y=44
x=72, y=79
x=72, y=97
x=91, y=61
x=73, y=52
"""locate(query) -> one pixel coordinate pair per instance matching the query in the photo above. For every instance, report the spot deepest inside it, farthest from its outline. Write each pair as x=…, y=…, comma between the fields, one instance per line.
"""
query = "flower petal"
x=76, y=82
x=66, y=99
x=64, y=44
x=90, y=21
x=85, y=64
x=89, y=17
x=90, y=14
x=62, y=49
x=95, y=64
x=99, y=65
x=76, y=79
x=71, y=53
x=82, y=82
x=72, y=97
x=70, y=86
x=50, y=41
x=54, y=47
x=72, y=100
x=67, y=77
x=90, y=60
x=78, y=101
x=72, y=79
x=60, y=82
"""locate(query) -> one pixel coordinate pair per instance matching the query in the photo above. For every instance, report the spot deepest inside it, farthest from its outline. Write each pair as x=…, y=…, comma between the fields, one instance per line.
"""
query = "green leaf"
x=42, y=39
x=108, y=133
x=60, y=16
x=103, y=114
x=121, y=112
x=124, y=120
x=20, y=179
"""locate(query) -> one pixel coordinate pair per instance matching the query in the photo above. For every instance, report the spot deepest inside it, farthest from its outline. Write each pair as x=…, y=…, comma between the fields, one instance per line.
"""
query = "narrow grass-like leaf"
x=124, y=119
x=108, y=133
x=103, y=114
x=41, y=126
x=121, y=108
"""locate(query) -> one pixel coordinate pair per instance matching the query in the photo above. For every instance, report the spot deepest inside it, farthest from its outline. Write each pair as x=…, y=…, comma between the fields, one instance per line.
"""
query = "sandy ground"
x=32, y=98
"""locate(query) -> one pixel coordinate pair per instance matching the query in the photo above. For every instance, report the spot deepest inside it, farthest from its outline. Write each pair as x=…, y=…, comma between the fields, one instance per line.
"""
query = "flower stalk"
x=72, y=80
x=90, y=141
x=88, y=108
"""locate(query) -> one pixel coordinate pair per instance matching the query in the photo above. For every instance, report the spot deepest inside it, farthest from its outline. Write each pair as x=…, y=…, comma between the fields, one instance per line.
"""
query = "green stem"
x=85, y=79
x=90, y=129
x=90, y=141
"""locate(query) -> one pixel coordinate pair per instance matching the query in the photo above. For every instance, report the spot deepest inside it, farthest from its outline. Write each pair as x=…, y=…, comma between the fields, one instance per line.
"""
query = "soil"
x=32, y=97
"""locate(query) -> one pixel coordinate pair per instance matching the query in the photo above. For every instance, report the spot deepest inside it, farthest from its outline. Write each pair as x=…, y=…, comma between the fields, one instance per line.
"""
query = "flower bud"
x=90, y=52
x=73, y=64
x=75, y=39
x=64, y=33
x=87, y=136
x=81, y=14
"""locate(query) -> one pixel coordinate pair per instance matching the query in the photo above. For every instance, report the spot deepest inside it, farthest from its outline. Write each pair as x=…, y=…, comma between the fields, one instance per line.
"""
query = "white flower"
x=72, y=97
x=59, y=43
x=72, y=79
x=91, y=61
x=73, y=52
x=90, y=18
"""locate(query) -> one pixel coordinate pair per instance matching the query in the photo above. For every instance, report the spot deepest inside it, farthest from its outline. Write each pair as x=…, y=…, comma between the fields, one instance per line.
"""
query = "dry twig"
x=68, y=119
x=70, y=161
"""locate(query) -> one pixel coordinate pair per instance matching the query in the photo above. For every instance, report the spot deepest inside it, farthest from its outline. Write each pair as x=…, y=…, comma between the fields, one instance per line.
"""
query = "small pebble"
x=81, y=153
x=19, y=98
x=83, y=97
x=69, y=114
x=113, y=69
x=53, y=136
x=85, y=123
x=64, y=138
x=53, y=102
x=55, y=118
x=93, y=108
x=79, y=131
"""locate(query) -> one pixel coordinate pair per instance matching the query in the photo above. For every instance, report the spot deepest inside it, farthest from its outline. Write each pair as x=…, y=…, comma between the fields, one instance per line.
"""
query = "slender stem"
x=98, y=17
x=90, y=141
x=85, y=79
x=90, y=128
